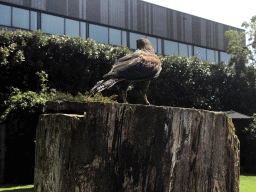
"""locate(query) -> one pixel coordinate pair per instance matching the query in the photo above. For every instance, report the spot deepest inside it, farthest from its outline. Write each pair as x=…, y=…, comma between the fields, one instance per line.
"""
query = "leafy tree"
x=251, y=31
x=29, y=102
x=240, y=54
x=248, y=146
x=74, y=66
x=252, y=128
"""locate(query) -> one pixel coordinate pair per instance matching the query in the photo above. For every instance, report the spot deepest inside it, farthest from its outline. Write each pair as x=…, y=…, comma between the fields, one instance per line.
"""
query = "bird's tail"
x=102, y=85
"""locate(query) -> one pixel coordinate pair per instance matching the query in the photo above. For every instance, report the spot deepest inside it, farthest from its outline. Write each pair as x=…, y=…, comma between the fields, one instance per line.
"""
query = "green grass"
x=15, y=188
x=247, y=183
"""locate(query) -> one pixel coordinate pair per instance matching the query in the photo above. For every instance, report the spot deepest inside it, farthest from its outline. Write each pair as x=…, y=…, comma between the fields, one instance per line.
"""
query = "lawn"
x=12, y=188
x=247, y=184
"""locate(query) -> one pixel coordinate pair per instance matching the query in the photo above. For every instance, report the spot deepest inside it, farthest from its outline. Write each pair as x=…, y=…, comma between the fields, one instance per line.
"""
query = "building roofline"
x=33, y=9
x=191, y=14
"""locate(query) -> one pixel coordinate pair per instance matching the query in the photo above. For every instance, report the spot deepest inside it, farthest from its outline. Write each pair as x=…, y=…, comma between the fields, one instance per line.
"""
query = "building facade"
x=121, y=22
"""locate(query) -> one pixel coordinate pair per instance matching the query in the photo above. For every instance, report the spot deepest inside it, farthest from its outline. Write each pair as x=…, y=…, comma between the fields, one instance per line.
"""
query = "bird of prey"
x=142, y=65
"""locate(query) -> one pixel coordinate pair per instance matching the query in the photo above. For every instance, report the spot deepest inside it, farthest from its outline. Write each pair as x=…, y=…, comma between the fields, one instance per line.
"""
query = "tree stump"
x=123, y=147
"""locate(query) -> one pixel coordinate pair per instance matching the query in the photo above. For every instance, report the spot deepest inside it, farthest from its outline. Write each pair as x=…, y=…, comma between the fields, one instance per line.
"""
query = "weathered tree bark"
x=119, y=147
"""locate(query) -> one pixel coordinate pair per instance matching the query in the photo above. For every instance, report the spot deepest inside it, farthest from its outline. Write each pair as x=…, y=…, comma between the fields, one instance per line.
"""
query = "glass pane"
x=201, y=53
x=153, y=43
x=210, y=55
x=114, y=37
x=33, y=17
x=20, y=18
x=124, y=38
x=83, y=29
x=216, y=56
x=5, y=15
x=72, y=27
x=170, y=48
x=224, y=57
x=190, y=54
x=98, y=33
x=159, y=46
x=133, y=38
x=52, y=24
x=183, y=50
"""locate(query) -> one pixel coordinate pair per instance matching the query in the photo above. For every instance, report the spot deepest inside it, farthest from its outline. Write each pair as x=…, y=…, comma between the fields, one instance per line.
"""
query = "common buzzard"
x=142, y=65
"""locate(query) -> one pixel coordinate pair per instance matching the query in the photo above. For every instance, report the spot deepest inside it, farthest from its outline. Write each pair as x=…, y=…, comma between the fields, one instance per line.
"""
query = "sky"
x=229, y=12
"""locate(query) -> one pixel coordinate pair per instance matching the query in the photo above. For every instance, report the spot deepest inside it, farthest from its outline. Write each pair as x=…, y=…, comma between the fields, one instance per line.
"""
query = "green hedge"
x=71, y=64
x=74, y=65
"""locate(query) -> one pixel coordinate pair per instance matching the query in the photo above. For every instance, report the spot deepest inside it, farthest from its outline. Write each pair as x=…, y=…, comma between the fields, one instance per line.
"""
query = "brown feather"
x=142, y=65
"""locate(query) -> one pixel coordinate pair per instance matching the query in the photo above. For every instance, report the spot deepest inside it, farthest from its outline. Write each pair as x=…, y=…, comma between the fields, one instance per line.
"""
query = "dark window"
x=33, y=19
x=170, y=48
x=153, y=42
x=201, y=53
x=124, y=38
x=98, y=33
x=210, y=55
x=72, y=27
x=20, y=18
x=190, y=54
x=133, y=38
x=52, y=24
x=114, y=37
x=5, y=15
x=224, y=57
x=159, y=46
x=83, y=29
x=183, y=49
x=216, y=56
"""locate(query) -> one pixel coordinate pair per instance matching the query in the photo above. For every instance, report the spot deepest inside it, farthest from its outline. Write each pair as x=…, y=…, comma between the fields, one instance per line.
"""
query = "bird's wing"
x=128, y=57
x=140, y=65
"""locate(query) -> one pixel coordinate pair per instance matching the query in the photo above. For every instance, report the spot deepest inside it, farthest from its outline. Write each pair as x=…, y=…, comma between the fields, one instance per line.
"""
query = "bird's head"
x=145, y=45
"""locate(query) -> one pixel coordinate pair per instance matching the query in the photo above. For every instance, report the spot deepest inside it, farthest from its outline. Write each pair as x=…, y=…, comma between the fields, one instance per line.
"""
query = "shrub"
x=28, y=102
x=73, y=64
x=82, y=97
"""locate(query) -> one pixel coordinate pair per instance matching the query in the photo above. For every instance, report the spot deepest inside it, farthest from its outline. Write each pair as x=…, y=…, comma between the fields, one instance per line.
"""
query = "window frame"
x=109, y=40
x=16, y=18
x=36, y=18
x=62, y=18
x=9, y=15
x=200, y=48
x=107, y=28
x=185, y=49
x=171, y=42
x=66, y=27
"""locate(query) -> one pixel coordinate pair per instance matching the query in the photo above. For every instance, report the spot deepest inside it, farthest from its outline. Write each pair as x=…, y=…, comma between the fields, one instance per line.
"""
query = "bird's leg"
x=145, y=99
x=143, y=91
x=124, y=95
x=123, y=86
